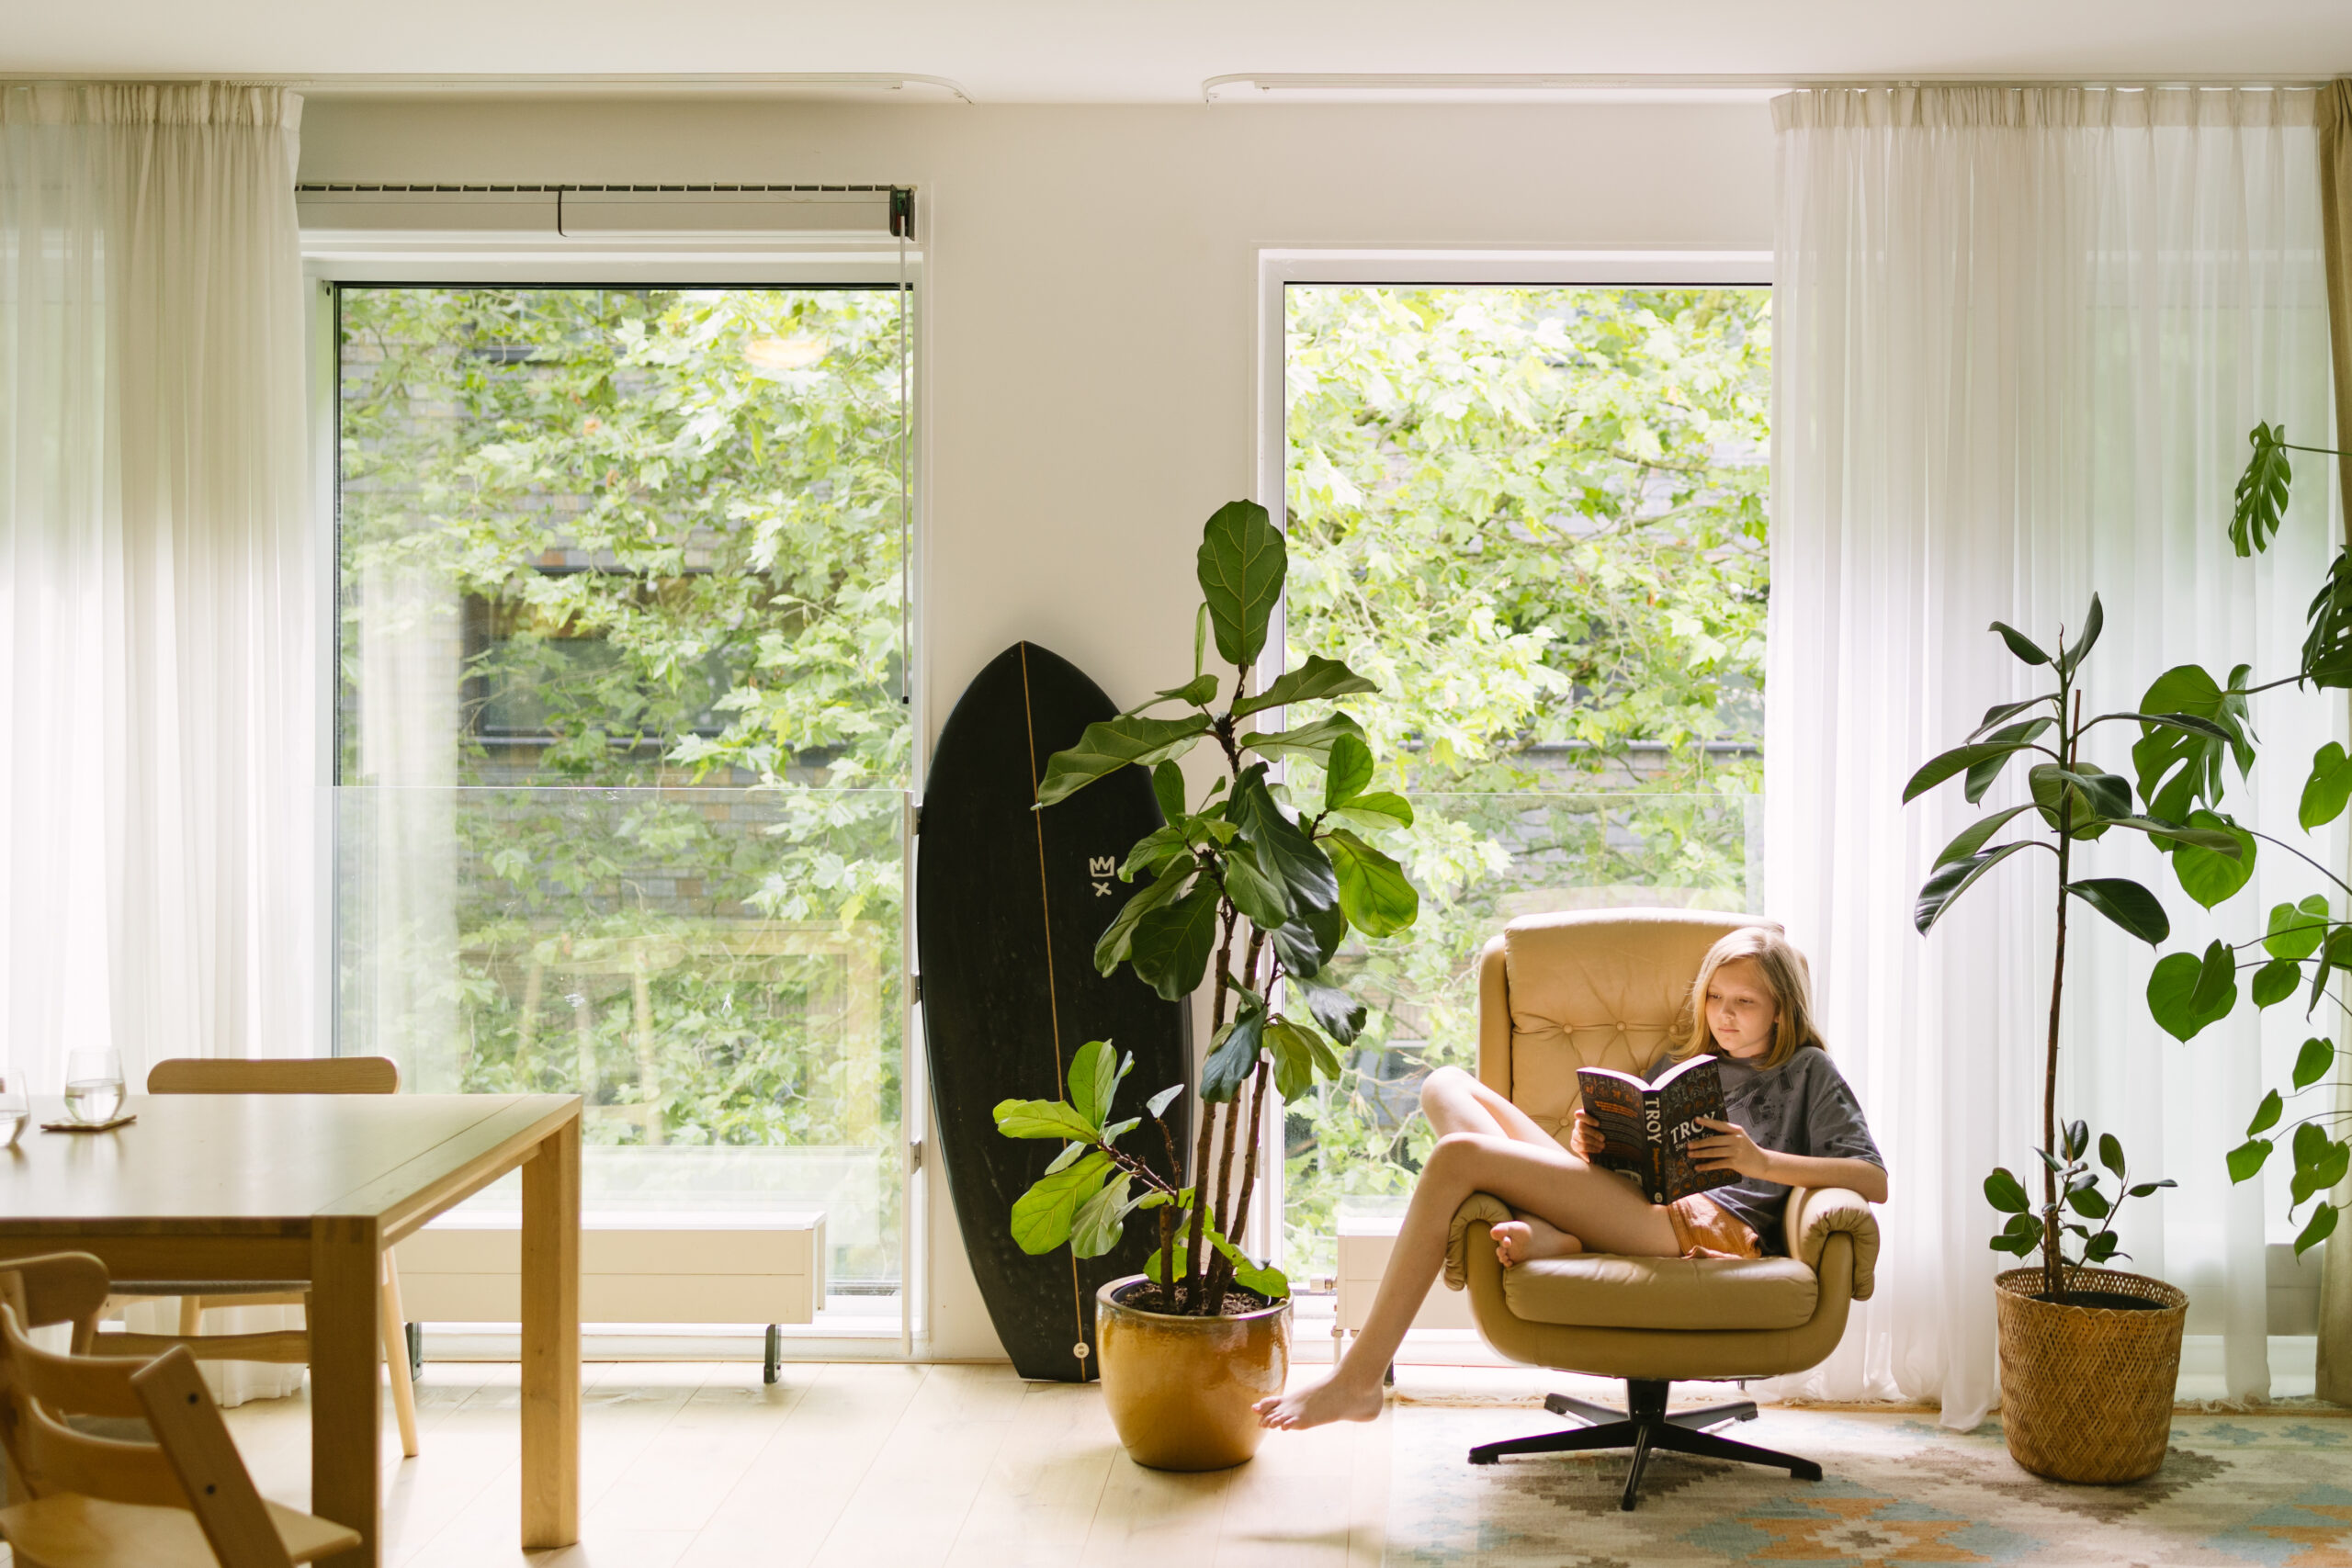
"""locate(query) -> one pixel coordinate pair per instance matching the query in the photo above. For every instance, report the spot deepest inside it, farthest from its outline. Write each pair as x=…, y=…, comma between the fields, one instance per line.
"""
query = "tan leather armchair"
x=1608, y=988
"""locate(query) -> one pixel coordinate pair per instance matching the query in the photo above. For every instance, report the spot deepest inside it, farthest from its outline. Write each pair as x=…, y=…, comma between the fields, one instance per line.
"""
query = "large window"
x=622, y=731
x=1536, y=517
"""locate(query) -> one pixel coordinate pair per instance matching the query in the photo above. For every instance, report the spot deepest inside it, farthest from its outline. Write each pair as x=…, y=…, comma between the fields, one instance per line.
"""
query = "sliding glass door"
x=623, y=733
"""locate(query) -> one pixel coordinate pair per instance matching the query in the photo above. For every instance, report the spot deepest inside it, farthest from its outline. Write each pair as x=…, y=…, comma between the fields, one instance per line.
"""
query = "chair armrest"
x=1814, y=1215
x=1478, y=1209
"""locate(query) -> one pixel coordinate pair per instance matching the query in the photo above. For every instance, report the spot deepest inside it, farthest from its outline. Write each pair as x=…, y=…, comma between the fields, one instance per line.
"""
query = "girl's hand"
x=1585, y=1138
x=1731, y=1150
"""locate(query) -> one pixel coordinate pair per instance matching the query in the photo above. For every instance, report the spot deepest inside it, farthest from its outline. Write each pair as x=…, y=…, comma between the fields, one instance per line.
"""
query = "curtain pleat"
x=2021, y=335
x=2334, y=128
x=158, y=639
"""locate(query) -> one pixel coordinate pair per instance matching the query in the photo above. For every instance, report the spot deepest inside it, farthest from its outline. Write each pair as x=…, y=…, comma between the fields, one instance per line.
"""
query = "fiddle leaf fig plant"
x=1246, y=890
x=2071, y=802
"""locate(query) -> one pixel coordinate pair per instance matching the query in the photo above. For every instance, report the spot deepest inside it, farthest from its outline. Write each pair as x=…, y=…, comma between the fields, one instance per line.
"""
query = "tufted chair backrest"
x=1593, y=988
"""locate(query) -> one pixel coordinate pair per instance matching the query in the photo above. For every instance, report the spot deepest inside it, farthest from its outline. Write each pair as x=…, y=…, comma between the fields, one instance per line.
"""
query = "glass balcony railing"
x=1481, y=861
x=716, y=971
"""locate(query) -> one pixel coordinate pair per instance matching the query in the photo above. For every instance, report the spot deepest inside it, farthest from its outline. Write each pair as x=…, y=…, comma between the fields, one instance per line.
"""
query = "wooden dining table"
x=247, y=1190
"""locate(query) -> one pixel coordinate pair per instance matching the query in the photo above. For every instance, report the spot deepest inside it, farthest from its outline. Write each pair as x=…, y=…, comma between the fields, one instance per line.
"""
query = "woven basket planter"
x=2086, y=1392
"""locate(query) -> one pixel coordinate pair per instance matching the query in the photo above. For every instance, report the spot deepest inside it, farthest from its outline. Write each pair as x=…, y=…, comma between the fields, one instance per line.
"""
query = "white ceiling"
x=1162, y=51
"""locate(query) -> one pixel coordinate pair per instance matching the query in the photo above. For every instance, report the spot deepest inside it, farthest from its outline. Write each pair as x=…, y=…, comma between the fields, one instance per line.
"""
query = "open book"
x=1645, y=1127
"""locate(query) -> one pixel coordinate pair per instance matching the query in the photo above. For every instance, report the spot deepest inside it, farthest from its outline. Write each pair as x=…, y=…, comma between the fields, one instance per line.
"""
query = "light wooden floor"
x=860, y=1465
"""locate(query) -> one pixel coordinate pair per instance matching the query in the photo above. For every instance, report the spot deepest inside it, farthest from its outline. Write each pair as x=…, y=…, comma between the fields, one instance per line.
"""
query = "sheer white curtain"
x=157, y=640
x=2020, y=336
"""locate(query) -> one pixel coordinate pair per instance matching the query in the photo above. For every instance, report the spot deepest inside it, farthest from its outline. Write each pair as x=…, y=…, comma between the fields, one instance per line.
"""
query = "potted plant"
x=1251, y=892
x=2090, y=1354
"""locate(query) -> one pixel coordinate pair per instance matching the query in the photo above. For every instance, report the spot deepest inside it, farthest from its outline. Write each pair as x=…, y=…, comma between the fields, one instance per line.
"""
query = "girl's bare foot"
x=1338, y=1398
x=1524, y=1241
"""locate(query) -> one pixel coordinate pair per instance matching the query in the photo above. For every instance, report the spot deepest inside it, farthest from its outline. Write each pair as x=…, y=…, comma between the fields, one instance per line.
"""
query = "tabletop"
x=262, y=1163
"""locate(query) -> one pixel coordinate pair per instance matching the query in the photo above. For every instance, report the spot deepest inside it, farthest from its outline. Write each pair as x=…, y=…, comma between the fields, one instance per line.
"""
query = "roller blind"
x=612, y=211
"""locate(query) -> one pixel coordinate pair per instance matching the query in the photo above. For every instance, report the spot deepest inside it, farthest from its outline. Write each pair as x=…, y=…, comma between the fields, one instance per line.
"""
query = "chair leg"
x=395, y=1332
x=1715, y=1414
x=1644, y=1427
x=1706, y=1444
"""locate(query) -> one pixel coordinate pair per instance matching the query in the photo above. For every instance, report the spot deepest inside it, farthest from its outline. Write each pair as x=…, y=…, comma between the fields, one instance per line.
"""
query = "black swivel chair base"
x=1644, y=1426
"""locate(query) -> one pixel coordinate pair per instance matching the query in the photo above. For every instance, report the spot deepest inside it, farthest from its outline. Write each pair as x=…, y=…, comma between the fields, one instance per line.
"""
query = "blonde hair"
x=1786, y=975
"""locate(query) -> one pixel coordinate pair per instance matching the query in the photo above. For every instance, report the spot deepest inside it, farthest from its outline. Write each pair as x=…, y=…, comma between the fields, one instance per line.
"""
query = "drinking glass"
x=14, y=1109
x=93, y=1084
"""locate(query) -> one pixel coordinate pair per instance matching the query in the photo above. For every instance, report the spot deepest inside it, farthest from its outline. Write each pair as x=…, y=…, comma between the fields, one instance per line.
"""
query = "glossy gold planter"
x=1179, y=1389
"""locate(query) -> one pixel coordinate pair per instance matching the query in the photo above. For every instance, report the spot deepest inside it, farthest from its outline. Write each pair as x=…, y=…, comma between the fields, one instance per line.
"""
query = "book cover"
x=1646, y=1127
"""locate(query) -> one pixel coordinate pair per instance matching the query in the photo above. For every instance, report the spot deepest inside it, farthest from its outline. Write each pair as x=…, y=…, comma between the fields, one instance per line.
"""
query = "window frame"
x=332, y=259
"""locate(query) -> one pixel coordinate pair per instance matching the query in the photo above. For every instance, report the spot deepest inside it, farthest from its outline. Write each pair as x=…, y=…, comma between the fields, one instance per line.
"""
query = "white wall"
x=1091, y=312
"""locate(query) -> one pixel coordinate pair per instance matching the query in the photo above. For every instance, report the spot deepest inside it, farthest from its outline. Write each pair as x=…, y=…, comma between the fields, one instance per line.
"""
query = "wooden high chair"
x=183, y=1500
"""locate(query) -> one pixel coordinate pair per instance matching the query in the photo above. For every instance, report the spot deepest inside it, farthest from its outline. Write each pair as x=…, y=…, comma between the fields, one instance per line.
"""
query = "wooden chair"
x=309, y=1075
x=182, y=1500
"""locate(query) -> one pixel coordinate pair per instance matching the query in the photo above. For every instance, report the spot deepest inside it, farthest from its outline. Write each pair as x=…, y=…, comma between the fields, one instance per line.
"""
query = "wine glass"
x=14, y=1109
x=93, y=1084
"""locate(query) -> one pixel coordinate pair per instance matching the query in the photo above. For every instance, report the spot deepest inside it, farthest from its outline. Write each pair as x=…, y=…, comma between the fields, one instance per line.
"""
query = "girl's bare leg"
x=1456, y=1102
x=1550, y=1184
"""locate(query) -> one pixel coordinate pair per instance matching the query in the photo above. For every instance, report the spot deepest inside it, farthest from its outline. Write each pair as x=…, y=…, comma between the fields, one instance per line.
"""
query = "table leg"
x=346, y=1415
x=551, y=1342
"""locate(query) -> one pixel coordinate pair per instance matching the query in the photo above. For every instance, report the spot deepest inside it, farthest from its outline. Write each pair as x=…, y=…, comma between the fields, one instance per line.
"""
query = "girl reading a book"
x=1793, y=1122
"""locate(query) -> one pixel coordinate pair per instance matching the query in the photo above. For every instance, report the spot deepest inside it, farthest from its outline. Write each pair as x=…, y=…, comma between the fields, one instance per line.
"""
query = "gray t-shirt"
x=1801, y=1107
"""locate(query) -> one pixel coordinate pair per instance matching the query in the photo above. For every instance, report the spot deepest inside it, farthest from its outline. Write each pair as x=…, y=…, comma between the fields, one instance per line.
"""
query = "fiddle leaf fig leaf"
x=1348, y=774
x=1043, y=1119
x=1315, y=679
x=1265, y=901
x=1377, y=810
x=1168, y=788
x=1158, y=1103
x=1373, y=891
x=1116, y=944
x=1113, y=743
x=1235, y=1053
x=1172, y=942
x=1095, y=1225
x=1094, y=1074
x=1042, y=1216
x=1242, y=562
x=1340, y=1014
x=1313, y=742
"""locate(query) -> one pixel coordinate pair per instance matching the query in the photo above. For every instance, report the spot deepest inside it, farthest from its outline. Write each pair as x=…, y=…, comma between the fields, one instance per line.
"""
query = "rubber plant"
x=1245, y=889
x=2303, y=945
x=2071, y=802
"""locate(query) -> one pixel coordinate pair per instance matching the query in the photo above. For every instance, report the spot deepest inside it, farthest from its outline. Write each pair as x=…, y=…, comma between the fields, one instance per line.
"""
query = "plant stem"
x=2051, y=1276
x=1193, y=1267
x=1249, y=1163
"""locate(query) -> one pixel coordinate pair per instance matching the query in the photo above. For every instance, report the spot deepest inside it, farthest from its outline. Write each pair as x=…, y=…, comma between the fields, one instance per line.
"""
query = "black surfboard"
x=1009, y=902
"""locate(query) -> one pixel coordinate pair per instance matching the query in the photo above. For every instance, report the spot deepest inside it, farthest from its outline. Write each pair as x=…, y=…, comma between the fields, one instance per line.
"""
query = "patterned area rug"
x=1896, y=1490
